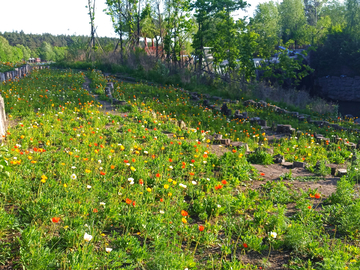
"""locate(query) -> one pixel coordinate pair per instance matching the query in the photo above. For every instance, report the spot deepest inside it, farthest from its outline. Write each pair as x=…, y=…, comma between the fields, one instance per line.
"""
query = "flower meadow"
x=84, y=188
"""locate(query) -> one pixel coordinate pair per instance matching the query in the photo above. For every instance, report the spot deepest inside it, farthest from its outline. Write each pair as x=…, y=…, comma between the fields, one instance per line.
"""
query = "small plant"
x=260, y=157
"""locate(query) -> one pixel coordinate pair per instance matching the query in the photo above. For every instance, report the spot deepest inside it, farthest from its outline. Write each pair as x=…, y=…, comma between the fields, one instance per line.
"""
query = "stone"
x=206, y=103
x=279, y=158
x=288, y=165
x=108, y=92
x=119, y=102
x=262, y=103
x=341, y=172
x=3, y=124
x=285, y=129
x=110, y=85
x=225, y=110
x=249, y=102
x=225, y=141
x=181, y=124
x=262, y=122
x=240, y=145
x=298, y=164
x=216, y=98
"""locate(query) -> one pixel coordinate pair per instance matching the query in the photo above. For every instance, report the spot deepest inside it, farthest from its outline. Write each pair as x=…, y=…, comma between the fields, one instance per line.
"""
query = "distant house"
x=34, y=60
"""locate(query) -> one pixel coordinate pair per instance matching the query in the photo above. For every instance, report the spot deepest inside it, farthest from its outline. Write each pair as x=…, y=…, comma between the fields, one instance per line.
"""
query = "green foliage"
x=9, y=53
x=260, y=156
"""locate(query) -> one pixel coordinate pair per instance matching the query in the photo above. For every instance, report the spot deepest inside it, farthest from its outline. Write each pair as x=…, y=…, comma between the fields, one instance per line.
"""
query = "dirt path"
x=107, y=107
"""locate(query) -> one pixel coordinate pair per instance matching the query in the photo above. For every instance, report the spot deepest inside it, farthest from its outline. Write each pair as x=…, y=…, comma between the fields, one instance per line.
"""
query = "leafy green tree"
x=335, y=10
x=9, y=53
x=266, y=23
x=293, y=21
x=46, y=52
x=352, y=16
x=312, y=10
x=25, y=51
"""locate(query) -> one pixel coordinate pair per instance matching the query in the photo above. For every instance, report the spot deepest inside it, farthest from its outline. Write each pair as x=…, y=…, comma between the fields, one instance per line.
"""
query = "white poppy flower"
x=73, y=176
x=87, y=237
x=273, y=234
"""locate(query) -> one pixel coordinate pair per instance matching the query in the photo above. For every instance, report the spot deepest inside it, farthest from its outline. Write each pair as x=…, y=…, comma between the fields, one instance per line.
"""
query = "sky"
x=66, y=17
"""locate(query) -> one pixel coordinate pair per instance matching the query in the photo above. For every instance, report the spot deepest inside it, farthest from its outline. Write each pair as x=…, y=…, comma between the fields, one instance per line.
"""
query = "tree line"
x=190, y=27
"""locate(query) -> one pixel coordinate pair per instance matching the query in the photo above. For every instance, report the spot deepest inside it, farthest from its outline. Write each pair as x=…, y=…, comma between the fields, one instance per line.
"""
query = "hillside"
x=101, y=173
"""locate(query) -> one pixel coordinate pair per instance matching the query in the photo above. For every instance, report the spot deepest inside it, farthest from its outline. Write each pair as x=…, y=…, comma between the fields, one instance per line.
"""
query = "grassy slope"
x=158, y=202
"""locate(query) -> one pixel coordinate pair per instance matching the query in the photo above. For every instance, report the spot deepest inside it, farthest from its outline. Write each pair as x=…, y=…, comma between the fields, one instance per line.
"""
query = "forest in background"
x=18, y=46
x=203, y=37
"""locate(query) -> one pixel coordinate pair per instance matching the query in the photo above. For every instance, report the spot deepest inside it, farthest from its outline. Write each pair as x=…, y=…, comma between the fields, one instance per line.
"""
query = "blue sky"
x=63, y=17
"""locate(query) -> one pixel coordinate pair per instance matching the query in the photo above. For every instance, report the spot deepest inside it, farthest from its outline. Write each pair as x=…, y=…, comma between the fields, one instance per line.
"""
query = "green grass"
x=151, y=201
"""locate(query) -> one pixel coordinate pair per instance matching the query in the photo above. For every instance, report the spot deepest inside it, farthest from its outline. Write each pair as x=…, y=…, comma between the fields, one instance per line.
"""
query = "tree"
x=46, y=52
x=352, y=16
x=266, y=23
x=293, y=21
x=335, y=10
x=25, y=51
x=312, y=10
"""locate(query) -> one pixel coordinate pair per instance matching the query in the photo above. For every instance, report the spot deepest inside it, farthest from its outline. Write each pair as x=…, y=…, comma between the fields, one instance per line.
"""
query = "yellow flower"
x=87, y=171
x=132, y=168
x=166, y=186
x=122, y=147
x=65, y=185
x=174, y=182
x=169, y=180
x=148, y=189
x=169, y=194
x=184, y=220
x=44, y=177
x=29, y=157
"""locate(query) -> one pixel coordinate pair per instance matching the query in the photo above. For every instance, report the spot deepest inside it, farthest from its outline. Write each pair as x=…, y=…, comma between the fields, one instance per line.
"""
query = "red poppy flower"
x=141, y=182
x=95, y=210
x=317, y=196
x=245, y=245
x=128, y=201
x=161, y=200
x=126, y=161
x=157, y=175
x=201, y=228
x=55, y=219
x=184, y=213
x=170, y=160
x=309, y=206
x=102, y=173
x=134, y=203
x=192, y=160
x=224, y=182
x=218, y=187
x=262, y=174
